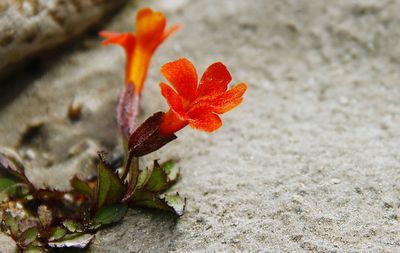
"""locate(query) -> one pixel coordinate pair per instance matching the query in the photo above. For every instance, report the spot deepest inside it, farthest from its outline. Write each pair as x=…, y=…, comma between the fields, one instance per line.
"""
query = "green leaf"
x=35, y=249
x=143, y=177
x=11, y=163
x=11, y=223
x=75, y=240
x=172, y=203
x=162, y=177
x=57, y=234
x=110, y=214
x=82, y=187
x=72, y=226
x=109, y=189
x=158, y=179
x=171, y=170
x=6, y=183
x=176, y=202
x=28, y=236
x=8, y=188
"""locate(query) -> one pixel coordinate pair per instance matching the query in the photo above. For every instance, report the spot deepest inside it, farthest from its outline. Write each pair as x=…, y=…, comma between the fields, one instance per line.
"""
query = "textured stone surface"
x=309, y=163
x=31, y=26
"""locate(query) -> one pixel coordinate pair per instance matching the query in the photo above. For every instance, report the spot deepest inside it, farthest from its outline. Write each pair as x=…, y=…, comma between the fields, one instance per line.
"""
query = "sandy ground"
x=309, y=163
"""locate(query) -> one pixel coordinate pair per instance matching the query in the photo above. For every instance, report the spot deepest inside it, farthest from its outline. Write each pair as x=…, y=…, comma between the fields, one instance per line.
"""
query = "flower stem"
x=133, y=168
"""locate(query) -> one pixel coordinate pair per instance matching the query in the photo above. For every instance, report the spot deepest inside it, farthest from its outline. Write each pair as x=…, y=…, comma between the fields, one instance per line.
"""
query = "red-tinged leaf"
x=82, y=187
x=144, y=176
x=127, y=110
x=11, y=163
x=172, y=202
x=109, y=214
x=158, y=180
x=162, y=177
x=147, y=137
x=109, y=188
x=27, y=237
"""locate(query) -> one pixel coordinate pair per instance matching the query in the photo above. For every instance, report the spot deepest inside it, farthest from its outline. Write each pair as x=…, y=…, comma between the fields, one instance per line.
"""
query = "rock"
x=7, y=244
x=30, y=26
x=295, y=168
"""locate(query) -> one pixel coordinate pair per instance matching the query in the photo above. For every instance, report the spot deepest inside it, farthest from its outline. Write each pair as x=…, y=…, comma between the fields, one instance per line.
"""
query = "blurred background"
x=309, y=162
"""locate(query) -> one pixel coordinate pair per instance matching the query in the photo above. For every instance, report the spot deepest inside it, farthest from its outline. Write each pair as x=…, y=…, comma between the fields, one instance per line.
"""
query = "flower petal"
x=126, y=40
x=183, y=77
x=170, y=31
x=150, y=27
x=173, y=100
x=230, y=99
x=171, y=123
x=214, y=81
x=204, y=121
x=222, y=103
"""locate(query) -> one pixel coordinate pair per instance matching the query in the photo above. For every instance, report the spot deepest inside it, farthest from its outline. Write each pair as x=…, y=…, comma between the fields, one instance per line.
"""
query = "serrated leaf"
x=11, y=223
x=76, y=240
x=162, y=178
x=171, y=170
x=28, y=236
x=149, y=199
x=57, y=234
x=11, y=163
x=72, y=226
x=172, y=203
x=143, y=177
x=158, y=179
x=109, y=189
x=82, y=187
x=176, y=202
x=110, y=214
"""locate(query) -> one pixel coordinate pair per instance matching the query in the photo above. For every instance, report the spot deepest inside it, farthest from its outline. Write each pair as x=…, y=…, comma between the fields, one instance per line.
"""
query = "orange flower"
x=139, y=47
x=197, y=105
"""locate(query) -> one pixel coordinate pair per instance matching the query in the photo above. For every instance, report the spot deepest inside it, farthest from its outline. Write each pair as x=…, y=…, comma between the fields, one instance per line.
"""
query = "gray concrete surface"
x=309, y=163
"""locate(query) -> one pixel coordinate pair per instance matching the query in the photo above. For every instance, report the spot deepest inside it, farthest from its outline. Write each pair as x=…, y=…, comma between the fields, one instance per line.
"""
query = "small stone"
x=387, y=205
x=74, y=111
x=30, y=154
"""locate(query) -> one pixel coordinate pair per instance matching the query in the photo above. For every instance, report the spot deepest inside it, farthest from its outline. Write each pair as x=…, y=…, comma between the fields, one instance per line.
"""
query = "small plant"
x=40, y=220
